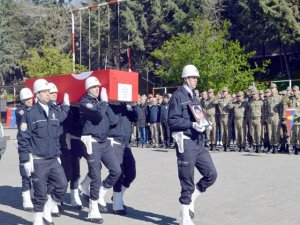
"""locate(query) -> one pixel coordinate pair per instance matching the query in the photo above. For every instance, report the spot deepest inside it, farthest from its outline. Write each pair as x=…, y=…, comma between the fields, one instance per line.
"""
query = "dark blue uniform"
x=195, y=154
x=78, y=149
x=39, y=135
x=20, y=112
x=121, y=133
x=97, y=118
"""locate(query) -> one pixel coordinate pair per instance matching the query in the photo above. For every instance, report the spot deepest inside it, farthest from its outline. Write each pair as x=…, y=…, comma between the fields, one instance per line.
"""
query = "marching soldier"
x=97, y=118
x=240, y=108
x=273, y=114
x=26, y=98
x=39, y=136
x=255, y=116
x=189, y=147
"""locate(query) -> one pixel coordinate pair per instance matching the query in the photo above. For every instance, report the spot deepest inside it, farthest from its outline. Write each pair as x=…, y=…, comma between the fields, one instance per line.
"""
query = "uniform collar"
x=185, y=91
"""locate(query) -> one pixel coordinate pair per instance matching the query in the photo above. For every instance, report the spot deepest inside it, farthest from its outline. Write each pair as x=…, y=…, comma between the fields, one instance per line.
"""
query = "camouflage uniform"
x=255, y=116
x=240, y=108
x=211, y=116
x=294, y=102
x=273, y=115
x=223, y=106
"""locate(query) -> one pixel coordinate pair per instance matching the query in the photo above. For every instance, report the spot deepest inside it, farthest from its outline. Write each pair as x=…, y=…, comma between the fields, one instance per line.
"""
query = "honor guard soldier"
x=240, y=108
x=119, y=136
x=273, y=114
x=255, y=116
x=97, y=119
x=26, y=98
x=39, y=136
x=64, y=140
x=190, y=150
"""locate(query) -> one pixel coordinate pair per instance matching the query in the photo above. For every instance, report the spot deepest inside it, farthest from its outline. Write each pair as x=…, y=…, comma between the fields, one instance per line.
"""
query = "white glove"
x=28, y=168
x=197, y=127
x=129, y=107
x=66, y=99
x=59, y=161
x=103, y=95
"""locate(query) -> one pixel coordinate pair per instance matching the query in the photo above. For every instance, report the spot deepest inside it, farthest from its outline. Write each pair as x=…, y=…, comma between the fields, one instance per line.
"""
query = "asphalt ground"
x=251, y=189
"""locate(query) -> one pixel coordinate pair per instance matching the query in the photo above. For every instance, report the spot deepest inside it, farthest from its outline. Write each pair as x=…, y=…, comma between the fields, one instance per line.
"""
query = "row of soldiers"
x=257, y=117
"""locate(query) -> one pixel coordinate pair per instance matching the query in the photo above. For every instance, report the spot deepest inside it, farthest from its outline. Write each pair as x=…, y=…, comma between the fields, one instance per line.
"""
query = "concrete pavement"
x=251, y=189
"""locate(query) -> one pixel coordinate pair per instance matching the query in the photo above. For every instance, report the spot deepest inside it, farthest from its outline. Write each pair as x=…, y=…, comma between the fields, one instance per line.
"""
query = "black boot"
x=242, y=149
x=258, y=149
x=296, y=151
x=275, y=149
x=225, y=148
x=213, y=147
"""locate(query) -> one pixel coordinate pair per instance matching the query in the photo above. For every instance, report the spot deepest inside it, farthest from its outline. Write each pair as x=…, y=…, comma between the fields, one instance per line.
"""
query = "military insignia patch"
x=21, y=112
x=89, y=105
x=23, y=126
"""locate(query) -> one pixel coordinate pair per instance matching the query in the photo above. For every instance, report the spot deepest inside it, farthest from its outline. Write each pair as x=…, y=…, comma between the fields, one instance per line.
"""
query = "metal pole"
x=80, y=37
x=99, y=38
x=89, y=40
x=119, y=44
x=73, y=41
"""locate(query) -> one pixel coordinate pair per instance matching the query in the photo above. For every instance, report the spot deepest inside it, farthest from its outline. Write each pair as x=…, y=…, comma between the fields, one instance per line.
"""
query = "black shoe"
x=96, y=220
x=46, y=222
x=102, y=208
x=122, y=212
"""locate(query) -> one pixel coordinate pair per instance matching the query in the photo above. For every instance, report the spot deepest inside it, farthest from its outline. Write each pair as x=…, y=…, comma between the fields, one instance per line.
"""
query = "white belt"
x=113, y=142
x=75, y=137
x=37, y=157
x=179, y=137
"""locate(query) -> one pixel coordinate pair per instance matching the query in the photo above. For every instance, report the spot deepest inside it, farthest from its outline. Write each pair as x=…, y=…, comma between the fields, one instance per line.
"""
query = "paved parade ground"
x=251, y=189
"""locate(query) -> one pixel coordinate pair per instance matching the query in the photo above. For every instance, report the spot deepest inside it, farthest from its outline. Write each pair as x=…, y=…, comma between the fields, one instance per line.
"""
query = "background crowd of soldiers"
x=251, y=120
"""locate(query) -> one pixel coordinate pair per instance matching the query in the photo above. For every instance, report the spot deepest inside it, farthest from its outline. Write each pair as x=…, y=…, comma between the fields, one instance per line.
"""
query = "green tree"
x=47, y=61
x=221, y=62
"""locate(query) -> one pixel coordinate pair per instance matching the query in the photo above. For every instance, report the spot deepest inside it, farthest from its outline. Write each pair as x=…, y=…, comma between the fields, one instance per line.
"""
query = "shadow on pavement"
x=10, y=219
x=150, y=217
x=11, y=196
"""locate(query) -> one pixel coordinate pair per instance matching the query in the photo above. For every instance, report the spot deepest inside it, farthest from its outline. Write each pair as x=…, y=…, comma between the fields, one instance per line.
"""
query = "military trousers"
x=255, y=128
x=26, y=182
x=127, y=164
x=225, y=129
x=102, y=152
x=295, y=136
x=48, y=172
x=211, y=134
x=274, y=130
x=194, y=155
x=240, y=132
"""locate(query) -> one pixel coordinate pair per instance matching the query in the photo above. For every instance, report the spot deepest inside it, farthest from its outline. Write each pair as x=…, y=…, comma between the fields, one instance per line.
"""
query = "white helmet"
x=190, y=70
x=52, y=87
x=25, y=93
x=40, y=85
x=91, y=81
